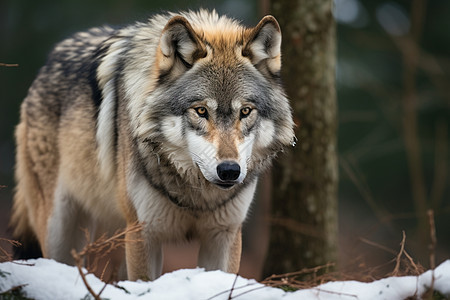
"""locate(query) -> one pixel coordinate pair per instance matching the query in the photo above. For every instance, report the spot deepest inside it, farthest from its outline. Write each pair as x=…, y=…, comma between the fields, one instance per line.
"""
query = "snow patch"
x=48, y=279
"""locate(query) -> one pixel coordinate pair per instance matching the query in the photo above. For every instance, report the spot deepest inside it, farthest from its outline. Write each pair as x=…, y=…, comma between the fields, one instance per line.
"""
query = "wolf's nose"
x=228, y=170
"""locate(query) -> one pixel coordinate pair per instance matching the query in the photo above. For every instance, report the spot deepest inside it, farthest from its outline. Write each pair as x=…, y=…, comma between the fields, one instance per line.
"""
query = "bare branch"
x=99, y=249
x=399, y=255
x=79, y=263
x=5, y=255
x=8, y=65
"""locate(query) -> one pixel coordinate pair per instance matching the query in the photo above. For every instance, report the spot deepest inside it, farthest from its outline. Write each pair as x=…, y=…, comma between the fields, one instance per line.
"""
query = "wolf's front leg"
x=221, y=250
x=65, y=227
x=143, y=256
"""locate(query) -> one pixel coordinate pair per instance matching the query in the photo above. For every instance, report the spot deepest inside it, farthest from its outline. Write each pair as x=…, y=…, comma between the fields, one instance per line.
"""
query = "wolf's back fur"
x=167, y=123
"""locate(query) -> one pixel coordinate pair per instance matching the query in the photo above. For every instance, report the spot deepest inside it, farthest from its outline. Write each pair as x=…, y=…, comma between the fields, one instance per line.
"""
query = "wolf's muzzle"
x=228, y=172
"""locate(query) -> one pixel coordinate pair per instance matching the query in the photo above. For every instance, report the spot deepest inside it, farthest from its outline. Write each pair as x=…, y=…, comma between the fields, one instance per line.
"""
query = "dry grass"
x=5, y=255
x=403, y=265
x=94, y=252
x=100, y=249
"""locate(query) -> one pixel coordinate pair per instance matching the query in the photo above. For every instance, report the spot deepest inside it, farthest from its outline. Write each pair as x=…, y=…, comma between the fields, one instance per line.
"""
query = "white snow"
x=48, y=279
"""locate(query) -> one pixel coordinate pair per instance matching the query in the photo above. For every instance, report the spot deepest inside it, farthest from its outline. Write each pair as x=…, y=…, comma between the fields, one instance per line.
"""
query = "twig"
x=104, y=245
x=22, y=263
x=103, y=288
x=249, y=291
x=5, y=255
x=104, y=270
x=433, y=242
x=8, y=65
x=290, y=279
x=399, y=256
x=236, y=288
x=100, y=248
x=377, y=245
x=297, y=273
x=432, y=248
x=78, y=261
x=411, y=261
x=336, y=293
x=232, y=287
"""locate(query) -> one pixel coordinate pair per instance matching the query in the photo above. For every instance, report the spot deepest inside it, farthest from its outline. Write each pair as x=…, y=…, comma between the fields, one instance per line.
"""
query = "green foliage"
x=15, y=293
x=90, y=297
x=438, y=296
x=288, y=288
x=3, y=274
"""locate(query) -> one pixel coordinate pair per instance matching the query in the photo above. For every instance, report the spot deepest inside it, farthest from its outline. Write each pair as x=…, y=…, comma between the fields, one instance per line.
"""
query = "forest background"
x=393, y=154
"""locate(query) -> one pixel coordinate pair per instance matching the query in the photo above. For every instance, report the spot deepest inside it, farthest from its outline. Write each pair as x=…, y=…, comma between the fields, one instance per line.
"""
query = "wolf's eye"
x=245, y=112
x=202, y=112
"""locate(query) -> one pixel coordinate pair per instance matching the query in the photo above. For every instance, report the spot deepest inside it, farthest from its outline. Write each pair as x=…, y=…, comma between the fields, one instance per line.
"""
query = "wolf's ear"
x=264, y=45
x=179, y=47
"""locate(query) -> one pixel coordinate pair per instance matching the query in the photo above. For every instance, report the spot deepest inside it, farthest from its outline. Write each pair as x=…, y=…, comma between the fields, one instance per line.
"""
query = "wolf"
x=166, y=123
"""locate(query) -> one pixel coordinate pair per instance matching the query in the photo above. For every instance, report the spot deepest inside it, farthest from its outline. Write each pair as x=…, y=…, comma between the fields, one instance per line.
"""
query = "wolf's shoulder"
x=81, y=43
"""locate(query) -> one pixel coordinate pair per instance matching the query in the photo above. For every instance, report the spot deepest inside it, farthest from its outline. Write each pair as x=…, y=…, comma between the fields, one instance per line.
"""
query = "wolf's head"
x=218, y=101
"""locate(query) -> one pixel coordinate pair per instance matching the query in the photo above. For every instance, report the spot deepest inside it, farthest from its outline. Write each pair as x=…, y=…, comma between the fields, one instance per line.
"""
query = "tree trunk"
x=304, y=193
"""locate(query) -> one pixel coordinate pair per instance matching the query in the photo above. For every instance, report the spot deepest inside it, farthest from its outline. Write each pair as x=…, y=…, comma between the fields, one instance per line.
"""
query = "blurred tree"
x=304, y=193
x=409, y=47
x=394, y=111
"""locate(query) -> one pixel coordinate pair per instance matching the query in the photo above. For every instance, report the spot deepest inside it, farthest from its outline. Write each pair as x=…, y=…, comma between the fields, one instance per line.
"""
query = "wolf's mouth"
x=225, y=185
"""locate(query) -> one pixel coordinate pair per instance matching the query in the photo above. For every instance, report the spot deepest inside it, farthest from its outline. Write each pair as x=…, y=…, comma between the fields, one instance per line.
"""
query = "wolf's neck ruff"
x=188, y=205
x=191, y=199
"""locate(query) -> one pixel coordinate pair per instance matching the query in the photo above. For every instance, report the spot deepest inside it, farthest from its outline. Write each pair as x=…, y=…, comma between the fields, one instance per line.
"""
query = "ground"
x=47, y=279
